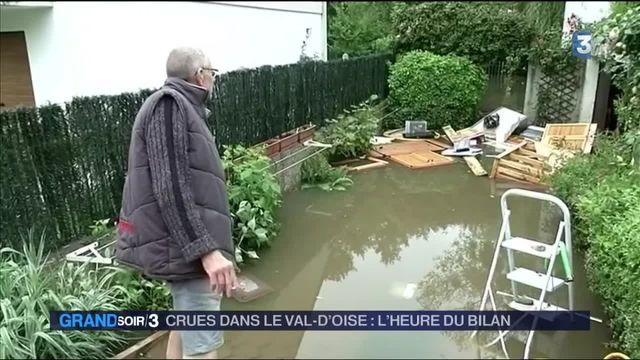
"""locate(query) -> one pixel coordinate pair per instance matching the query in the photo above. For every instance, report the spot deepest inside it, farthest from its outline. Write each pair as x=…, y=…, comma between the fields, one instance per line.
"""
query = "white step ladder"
x=545, y=282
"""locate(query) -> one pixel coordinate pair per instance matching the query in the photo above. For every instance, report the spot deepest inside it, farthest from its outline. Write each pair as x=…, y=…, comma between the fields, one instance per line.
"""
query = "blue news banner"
x=321, y=320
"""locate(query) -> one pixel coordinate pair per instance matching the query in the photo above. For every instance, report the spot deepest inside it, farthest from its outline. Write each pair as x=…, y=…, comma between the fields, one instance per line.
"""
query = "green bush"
x=317, y=172
x=254, y=197
x=351, y=132
x=442, y=90
x=482, y=32
x=603, y=191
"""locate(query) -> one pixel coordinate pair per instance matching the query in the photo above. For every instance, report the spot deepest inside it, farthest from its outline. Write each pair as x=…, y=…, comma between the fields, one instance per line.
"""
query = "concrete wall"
x=291, y=179
x=96, y=48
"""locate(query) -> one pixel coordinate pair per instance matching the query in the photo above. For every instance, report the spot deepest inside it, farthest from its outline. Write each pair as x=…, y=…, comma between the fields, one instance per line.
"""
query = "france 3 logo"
x=581, y=44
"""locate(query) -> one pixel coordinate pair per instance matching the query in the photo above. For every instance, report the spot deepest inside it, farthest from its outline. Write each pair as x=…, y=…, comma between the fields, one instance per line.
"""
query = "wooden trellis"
x=558, y=95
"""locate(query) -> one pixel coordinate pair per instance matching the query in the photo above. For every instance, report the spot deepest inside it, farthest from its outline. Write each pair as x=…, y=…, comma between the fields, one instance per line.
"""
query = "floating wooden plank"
x=376, y=163
x=475, y=166
x=421, y=160
x=404, y=148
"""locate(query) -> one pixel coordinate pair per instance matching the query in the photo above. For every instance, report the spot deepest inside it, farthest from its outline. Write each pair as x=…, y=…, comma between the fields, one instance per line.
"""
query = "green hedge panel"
x=64, y=168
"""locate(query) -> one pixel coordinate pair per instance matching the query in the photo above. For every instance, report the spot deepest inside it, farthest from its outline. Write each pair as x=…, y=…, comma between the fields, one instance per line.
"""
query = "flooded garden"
x=370, y=181
x=398, y=239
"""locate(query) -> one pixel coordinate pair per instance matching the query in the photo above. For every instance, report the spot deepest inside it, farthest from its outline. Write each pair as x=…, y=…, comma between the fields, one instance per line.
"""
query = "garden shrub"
x=442, y=90
x=317, y=172
x=482, y=32
x=254, y=196
x=603, y=191
x=350, y=134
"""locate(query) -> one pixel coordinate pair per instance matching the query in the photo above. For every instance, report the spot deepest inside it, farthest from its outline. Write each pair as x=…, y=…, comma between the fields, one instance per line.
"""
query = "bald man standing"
x=175, y=223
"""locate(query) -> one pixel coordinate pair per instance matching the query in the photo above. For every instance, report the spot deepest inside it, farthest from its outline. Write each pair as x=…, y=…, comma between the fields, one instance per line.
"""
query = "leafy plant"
x=317, y=172
x=482, y=32
x=100, y=228
x=254, y=196
x=351, y=132
x=31, y=286
x=139, y=293
x=442, y=90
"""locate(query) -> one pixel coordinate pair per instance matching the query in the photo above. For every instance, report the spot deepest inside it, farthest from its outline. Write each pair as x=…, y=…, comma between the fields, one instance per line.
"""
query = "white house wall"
x=96, y=48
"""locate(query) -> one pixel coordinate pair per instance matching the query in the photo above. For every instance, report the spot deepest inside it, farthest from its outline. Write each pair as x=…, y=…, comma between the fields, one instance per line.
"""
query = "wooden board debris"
x=375, y=163
x=471, y=161
x=423, y=159
x=475, y=166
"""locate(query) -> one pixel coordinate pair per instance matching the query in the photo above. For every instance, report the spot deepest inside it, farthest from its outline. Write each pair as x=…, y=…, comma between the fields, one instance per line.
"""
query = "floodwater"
x=401, y=239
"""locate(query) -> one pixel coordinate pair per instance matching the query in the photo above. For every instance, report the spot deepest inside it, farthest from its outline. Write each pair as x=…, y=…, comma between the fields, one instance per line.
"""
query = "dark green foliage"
x=359, y=28
x=318, y=172
x=442, y=90
x=485, y=33
x=350, y=132
x=603, y=190
x=64, y=168
x=254, y=197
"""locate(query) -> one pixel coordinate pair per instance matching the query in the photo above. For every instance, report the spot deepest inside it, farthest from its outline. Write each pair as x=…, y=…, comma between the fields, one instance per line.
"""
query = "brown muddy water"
x=400, y=239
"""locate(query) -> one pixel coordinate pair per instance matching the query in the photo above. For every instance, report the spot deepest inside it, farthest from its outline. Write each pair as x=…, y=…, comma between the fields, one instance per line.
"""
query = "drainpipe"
x=323, y=31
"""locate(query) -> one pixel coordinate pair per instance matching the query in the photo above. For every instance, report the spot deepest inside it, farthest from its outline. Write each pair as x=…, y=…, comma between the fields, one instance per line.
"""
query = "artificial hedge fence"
x=64, y=168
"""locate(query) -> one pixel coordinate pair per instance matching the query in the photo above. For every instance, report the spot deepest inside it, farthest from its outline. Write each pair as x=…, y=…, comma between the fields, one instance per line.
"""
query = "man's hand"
x=222, y=275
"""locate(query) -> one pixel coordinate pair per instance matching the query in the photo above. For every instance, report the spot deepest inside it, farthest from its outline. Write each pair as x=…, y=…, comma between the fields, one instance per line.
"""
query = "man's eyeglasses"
x=214, y=72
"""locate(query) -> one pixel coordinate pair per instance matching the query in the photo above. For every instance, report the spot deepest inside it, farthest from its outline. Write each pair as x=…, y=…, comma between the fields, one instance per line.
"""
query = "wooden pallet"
x=522, y=164
x=422, y=159
x=573, y=137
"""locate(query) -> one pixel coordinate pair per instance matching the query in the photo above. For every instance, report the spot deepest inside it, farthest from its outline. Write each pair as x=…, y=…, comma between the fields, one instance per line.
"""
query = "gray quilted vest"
x=144, y=241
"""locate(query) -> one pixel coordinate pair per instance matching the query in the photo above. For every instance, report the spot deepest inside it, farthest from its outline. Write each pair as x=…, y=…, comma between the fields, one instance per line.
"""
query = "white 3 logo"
x=585, y=44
